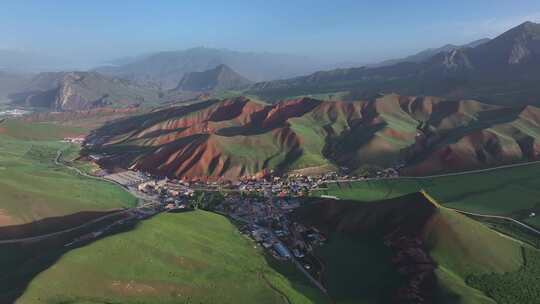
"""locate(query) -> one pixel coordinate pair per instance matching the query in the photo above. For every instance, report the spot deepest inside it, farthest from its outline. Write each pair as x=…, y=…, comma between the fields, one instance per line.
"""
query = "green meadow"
x=194, y=257
x=359, y=267
x=33, y=187
x=513, y=192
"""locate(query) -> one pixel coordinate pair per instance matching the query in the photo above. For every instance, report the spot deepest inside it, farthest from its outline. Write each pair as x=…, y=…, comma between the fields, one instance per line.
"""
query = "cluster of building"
x=74, y=140
x=387, y=173
x=267, y=221
x=13, y=113
x=280, y=187
x=174, y=195
x=128, y=178
x=301, y=185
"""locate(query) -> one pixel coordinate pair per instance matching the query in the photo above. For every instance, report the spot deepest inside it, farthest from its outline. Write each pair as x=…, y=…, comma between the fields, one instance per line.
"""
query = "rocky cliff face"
x=72, y=91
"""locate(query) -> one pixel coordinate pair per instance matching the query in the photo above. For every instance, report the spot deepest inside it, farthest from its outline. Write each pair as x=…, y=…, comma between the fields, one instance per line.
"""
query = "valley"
x=350, y=224
x=341, y=155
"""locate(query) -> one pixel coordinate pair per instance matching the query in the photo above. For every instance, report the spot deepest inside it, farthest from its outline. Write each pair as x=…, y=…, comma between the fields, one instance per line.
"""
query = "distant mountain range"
x=73, y=91
x=64, y=91
x=240, y=137
x=166, y=69
x=427, y=54
x=504, y=70
x=219, y=78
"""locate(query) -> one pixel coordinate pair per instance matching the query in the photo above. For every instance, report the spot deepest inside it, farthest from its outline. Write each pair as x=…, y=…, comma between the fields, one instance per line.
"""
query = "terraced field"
x=33, y=188
x=196, y=257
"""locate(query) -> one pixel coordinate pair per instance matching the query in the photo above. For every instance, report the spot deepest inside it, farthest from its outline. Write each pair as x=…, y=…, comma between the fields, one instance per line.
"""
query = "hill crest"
x=222, y=77
x=239, y=137
x=504, y=71
x=71, y=91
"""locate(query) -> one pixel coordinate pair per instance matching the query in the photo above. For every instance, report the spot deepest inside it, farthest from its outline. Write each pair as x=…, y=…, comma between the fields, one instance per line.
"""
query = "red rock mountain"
x=238, y=137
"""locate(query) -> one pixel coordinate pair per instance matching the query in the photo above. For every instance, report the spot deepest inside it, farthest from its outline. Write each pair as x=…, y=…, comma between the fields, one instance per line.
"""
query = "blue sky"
x=338, y=30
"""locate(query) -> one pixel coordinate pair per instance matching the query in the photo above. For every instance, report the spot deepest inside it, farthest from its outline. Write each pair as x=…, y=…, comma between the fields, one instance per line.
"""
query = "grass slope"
x=358, y=269
x=196, y=257
x=510, y=192
x=32, y=187
x=459, y=246
x=513, y=287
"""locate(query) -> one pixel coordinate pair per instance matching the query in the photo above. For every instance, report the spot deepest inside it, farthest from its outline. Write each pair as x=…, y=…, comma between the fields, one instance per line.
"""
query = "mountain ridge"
x=428, y=53
x=66, y=91
x=239, y=137
x=222, y=77
x=166, y=69
x=503, y=70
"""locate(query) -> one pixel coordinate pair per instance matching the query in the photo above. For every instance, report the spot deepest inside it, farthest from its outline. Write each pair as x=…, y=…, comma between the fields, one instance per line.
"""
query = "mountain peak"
x=514, y=47
x=528, y=24
x=224, y=68
x=525, y=29
x=222, y=77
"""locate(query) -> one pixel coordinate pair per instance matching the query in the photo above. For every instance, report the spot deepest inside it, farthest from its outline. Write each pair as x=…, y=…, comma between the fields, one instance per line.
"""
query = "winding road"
x=437, y=175
x=55, y=234
x=58, y=161
x=535, y=231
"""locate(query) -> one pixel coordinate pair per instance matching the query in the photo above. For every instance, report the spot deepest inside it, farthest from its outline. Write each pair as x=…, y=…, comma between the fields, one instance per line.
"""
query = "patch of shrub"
x=513, y=287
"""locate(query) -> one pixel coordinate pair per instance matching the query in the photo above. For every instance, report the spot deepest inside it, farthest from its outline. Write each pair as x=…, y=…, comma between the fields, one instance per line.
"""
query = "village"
x=260, y=207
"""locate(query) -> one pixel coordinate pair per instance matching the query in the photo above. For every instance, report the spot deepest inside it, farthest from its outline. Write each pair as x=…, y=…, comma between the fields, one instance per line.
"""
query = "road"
x=55, y=234
x=309, y=276
x=437, y=175
x=535, y=231
x=58, y=161
x=436, y=204
x=142, y=197
x=524, y=225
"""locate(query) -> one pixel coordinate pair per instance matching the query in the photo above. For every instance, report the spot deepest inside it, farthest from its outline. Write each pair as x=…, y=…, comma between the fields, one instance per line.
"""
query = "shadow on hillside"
x=20, y=263
x=139, y=122
x=50, y=225
x=297, y=280
x=376, y=250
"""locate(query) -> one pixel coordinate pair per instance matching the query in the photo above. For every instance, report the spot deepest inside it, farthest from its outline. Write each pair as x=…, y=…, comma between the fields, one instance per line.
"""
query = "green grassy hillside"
x=195, y=257
x=365, y=239
x=32, y=187
x=510, y=192
x=513, y=287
